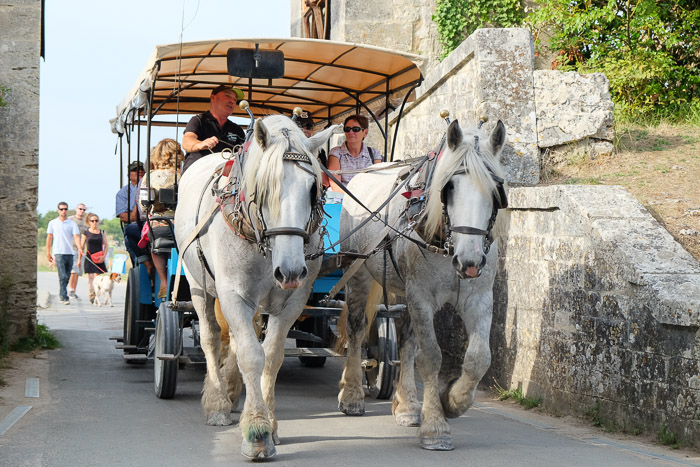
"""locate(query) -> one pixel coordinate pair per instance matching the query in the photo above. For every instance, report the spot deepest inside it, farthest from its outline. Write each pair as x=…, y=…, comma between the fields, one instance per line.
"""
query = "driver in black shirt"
x=212, y=131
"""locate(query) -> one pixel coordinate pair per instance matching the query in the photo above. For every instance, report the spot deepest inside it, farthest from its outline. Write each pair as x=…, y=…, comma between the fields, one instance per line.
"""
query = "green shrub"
x=42, y=340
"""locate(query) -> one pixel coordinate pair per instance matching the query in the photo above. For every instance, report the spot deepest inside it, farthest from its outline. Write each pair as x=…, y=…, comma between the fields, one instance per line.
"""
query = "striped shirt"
x=350, y=162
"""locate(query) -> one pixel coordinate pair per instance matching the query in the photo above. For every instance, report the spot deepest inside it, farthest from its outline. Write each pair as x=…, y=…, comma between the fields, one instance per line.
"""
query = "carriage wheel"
x=165, y=371
x=381, y=346
x=134, y=311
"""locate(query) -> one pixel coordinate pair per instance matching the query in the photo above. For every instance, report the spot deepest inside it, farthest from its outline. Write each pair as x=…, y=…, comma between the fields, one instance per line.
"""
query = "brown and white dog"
x=104, y=284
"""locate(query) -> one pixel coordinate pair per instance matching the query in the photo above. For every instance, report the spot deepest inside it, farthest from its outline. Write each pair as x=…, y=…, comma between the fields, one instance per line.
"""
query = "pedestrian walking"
x=78, y=264
x=62, y=234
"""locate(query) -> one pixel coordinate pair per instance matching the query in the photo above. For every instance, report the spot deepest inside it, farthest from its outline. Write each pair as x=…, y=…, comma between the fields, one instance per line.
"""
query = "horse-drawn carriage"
x=329, y=81
x=252, y=232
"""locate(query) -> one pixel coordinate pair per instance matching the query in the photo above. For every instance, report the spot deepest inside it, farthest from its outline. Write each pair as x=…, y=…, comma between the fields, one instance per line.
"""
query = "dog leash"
x=87, y=257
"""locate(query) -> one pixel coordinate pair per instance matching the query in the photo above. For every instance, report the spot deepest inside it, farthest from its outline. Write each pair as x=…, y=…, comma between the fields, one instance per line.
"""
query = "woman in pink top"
x=353, y=154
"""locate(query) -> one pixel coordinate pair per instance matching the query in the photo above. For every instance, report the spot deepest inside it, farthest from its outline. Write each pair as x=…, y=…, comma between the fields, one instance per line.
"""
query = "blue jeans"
x=132, y=235
x=64, y=264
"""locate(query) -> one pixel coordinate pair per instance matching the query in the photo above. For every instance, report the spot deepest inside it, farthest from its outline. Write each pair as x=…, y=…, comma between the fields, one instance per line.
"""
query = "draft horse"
x=440, y=255
x=257, y=221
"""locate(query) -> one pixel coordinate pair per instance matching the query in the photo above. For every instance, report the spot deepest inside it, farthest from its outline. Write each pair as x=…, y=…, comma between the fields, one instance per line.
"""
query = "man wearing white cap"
x=212, y=131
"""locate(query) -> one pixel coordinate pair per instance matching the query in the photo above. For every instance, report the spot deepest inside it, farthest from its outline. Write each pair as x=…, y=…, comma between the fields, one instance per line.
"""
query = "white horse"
x=462, y=201
x=281, y=184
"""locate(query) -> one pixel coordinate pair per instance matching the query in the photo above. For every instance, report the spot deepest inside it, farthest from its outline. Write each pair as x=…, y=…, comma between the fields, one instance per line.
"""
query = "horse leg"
x=434, y=431
x=277, y=329
x=459, y=394
x=405, y=405
x=256, y=429
x=216, y=404
x=351, y=399
x=232, y=375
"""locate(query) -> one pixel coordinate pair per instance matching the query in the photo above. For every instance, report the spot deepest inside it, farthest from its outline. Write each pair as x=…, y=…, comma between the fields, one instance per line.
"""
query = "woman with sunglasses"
x=95, y=241
x=353, y=154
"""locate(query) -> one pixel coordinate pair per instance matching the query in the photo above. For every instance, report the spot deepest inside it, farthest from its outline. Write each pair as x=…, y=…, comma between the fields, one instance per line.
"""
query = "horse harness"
x=225, y=184
x=441, y=242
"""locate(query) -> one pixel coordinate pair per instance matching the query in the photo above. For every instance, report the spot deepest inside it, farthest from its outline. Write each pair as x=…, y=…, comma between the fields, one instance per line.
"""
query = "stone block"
x=572, y=107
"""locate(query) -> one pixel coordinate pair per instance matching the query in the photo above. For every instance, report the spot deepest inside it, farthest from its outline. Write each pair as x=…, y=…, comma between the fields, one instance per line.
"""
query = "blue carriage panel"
x=325, y=283
x=333, y=226
x=145, y=291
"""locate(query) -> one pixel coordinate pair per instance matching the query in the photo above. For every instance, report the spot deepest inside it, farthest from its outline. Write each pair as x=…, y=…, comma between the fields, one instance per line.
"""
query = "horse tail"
x=341, y=340
x=374, y=298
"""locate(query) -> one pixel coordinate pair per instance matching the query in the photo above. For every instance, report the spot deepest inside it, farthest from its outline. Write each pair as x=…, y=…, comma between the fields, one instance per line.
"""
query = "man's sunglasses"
x=354, y=129
x=62, y=209
x=81, y=209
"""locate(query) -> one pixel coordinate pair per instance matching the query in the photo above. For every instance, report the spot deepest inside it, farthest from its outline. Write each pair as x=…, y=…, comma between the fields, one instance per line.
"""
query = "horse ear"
x=319, y=139
x=261, y=134
x=498, y=138
x=454, y=135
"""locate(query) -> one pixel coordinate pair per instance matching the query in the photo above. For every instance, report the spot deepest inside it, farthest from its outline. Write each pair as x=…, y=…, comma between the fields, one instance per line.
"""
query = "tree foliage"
x=649, y=50
x=457, y=19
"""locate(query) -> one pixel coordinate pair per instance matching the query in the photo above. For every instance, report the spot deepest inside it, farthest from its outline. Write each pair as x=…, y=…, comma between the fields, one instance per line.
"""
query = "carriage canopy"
x=327, y=79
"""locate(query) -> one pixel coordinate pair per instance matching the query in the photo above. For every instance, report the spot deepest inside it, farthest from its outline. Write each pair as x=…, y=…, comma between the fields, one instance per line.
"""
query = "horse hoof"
x=259, y=448
x=275, y=438
x=219, y=419
x=408, y=419
x=442, y=443
x=354, y=409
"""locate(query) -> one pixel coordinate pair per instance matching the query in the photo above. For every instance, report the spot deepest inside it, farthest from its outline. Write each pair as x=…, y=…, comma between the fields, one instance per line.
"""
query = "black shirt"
x=205, y=126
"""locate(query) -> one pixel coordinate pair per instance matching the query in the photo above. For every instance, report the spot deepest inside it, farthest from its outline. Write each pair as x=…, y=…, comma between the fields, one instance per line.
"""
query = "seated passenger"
x=127, y=212
x=353, y=154
x=165, y=161
x=306, y=123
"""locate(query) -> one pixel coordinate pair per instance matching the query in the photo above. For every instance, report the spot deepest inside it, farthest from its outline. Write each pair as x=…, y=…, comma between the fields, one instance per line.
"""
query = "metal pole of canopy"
x=398, y=120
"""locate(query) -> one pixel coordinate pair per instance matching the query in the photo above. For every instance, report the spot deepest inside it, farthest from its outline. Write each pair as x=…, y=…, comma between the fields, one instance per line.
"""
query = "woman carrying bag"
x=96, y=243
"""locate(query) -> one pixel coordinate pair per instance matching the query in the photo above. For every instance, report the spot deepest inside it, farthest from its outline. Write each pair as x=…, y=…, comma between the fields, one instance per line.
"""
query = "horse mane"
x=481, y=167
x=263, y=169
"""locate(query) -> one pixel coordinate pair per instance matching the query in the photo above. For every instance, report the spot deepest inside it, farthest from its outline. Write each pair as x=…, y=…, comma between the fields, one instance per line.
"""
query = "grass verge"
x=516, y=395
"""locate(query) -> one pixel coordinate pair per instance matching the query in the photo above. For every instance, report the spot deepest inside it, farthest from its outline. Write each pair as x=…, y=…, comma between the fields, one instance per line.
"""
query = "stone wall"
x=489, y=74
x=20, y=39
x=597, y=305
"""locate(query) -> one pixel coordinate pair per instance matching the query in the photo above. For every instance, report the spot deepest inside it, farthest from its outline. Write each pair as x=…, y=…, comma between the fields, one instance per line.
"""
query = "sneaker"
x=65, y=302
x=71, y=294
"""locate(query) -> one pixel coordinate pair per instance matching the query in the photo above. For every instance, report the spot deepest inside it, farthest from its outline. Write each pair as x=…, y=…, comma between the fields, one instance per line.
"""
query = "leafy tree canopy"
x=648, y=49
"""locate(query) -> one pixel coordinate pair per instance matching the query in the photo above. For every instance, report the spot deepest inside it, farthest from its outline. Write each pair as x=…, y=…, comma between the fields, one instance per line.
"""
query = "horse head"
x=283, y=177
x=466, y=193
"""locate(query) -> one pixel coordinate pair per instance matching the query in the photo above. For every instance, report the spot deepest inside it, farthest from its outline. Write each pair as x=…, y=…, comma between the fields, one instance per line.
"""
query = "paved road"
x=94, y=409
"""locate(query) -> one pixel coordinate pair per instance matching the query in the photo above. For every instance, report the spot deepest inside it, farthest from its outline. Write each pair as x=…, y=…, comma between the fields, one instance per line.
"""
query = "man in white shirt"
x=78, y=265
x=62, y=234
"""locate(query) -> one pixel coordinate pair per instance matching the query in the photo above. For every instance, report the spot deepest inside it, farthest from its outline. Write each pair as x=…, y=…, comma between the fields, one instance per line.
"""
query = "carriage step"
x=395, y=363
x=311, y=352
x=167, y=356
x=125, y=347
x=149, y=329
x=135, y=356
x=117, y=338
x=144, y=321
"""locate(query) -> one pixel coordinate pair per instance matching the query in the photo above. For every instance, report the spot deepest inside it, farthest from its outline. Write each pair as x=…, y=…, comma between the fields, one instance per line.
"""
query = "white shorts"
x=78, y=269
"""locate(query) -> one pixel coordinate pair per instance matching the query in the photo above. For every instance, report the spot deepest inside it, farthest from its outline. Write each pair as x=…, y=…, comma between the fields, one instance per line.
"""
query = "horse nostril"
x=304, y=273
x=455, y=263
x=279, y=277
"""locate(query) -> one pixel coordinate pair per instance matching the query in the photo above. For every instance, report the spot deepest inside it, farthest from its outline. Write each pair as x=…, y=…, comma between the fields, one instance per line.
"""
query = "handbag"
x=97, y=257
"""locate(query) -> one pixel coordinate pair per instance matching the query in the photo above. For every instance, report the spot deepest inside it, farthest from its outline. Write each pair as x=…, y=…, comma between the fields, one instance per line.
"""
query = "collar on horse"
x=245, y=218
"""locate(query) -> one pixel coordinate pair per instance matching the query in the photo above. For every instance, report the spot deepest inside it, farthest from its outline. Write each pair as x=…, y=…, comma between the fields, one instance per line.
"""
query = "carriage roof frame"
x=329, y=80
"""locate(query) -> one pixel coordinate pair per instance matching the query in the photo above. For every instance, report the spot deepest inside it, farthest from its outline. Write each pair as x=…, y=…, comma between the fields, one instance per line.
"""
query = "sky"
x=94, y=52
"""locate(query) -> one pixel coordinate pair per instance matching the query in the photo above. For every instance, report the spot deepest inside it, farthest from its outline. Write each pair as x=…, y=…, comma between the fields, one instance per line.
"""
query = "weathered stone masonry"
x=595, y=303
x=20, y=39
